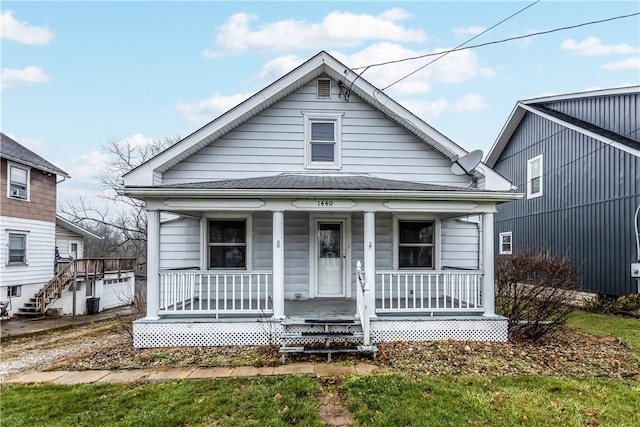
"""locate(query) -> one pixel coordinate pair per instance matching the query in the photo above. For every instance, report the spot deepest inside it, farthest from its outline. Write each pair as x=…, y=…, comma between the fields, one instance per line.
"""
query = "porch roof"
x=316, y=182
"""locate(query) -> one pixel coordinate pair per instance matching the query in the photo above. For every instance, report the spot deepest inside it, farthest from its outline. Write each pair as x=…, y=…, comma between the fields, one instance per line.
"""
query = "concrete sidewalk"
x=17, y=327
x=154, y=375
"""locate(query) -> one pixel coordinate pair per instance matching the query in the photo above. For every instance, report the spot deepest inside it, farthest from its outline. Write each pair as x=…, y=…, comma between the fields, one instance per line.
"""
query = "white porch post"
x=488, y=293
x=370, y=257
x=153, y=264
x=278, y=265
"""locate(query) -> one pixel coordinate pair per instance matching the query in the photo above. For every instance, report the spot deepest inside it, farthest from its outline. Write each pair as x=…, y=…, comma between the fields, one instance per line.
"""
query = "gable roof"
x=537, y=106
x=67, y=225
x=320, y=64
x=16, y=152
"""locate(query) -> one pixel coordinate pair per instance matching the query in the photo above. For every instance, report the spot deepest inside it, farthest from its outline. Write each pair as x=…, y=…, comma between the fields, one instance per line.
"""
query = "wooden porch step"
x=320, y=322
x=322, y=335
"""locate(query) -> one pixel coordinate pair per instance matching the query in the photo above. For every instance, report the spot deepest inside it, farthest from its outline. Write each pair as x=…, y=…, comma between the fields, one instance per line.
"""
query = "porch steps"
x=323, y=336
x=29, y=309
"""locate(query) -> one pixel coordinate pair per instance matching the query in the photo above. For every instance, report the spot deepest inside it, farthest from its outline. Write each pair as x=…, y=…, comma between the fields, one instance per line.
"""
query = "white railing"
x=216, y=292
x=363, y=295
x=429, y=291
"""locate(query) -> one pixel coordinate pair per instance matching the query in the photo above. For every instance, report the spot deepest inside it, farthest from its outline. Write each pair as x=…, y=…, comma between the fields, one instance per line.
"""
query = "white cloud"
x=208, y=109
x=468, y=32
x=454, y=68
x=278, y=67
x=625, y=64
x=592, y=46
x=33, y=144
x=28, y=75
x=469, y=103
x=138, y=140
x=337, y=29
x=22, y=32
x=88, y=166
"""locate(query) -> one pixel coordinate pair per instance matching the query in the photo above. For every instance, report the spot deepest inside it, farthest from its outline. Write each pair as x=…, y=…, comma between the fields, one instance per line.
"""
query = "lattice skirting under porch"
x=476, y=329
x=185, y=333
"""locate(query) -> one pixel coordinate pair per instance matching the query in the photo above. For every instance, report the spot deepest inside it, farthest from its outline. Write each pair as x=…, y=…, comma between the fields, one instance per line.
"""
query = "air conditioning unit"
x=19, y=193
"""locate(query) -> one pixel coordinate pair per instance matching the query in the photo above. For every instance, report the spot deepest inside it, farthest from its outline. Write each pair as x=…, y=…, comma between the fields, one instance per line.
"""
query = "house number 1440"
x=324, y=203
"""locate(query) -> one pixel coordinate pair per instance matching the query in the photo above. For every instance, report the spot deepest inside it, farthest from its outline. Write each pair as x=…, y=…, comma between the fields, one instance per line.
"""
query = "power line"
x=459, y=46
x=413, y=58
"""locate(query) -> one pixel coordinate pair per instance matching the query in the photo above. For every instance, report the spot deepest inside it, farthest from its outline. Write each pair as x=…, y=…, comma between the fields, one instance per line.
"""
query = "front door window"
x=331, y=255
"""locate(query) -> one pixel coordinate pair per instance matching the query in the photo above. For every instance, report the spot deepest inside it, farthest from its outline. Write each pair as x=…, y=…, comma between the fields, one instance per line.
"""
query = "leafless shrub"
x=627, y=305
x=535, y=292
x=137, y=309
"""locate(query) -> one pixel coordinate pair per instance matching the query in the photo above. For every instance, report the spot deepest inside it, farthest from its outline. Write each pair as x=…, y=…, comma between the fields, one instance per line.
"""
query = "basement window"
x=506, y=246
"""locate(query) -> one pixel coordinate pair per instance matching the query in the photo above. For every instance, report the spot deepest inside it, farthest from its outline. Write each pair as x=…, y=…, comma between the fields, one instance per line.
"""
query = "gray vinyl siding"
x=619, y=114
x=590, y=192
x=460, y=244
x=384, y=241
x=273, y=142
x=180, y=244
x=262, y=251
x=296, y=254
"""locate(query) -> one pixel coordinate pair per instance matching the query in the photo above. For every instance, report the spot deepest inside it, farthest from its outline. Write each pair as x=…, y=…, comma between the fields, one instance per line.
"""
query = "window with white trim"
x=506, y=245
x=416, y=244
x=18, y=182
x=534, y=177
x=17, y=253
x=14, y=291
x=323, y=140
x=73, y=250
x=227, y=244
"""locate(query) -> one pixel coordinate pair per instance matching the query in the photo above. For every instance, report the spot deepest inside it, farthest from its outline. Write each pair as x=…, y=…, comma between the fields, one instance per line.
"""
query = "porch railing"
x=363, y=292
x=216, y=293
x=429, y=291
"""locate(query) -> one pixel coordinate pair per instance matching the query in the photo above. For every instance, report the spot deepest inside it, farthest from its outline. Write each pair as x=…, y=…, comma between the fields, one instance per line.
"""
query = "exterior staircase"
x=79, y=269
x=323, y=336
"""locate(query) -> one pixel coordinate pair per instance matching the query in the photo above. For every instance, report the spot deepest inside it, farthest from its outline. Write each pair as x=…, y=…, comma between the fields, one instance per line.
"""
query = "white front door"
x=330, y=257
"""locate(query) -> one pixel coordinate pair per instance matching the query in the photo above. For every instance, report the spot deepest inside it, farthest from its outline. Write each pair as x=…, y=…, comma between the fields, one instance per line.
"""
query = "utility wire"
x=457, y=49
x=460, y=45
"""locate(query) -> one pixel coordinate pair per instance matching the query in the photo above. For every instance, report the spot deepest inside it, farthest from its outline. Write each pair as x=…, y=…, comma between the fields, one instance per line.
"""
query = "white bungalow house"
x=275, y=204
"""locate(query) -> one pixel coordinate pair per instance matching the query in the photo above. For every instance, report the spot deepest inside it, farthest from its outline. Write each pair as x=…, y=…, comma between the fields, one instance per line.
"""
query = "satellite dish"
x=466, y=164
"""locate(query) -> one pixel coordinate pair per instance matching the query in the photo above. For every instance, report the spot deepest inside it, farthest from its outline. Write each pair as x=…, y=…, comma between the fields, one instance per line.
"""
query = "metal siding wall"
x=619, y=113
x=590, y=192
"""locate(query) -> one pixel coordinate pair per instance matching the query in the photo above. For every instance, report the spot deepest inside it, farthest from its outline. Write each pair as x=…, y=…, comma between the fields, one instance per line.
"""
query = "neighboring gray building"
x=576, y=158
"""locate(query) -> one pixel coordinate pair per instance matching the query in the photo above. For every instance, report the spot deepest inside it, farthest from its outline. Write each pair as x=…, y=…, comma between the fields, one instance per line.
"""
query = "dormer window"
x=323, y=140
x=18, y=182
x=324, y=88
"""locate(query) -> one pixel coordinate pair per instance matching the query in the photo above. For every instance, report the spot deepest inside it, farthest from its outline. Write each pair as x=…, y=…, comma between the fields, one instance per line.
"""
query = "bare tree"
x=120, y=219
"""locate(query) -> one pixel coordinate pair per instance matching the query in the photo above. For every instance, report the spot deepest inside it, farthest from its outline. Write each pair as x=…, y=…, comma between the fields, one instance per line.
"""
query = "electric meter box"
x=635, y=269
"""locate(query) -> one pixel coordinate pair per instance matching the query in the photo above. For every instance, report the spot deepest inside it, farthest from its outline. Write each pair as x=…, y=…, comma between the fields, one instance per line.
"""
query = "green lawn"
x=383, y=400
x=272, y=401
x=625, y=328
x=509, y=401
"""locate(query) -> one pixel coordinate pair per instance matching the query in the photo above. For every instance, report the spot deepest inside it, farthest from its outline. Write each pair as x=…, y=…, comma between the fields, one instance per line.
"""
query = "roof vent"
x=324, y=88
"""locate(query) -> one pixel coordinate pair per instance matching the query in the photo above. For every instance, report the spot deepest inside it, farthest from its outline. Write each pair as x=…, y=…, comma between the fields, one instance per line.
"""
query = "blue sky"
x=76, y=75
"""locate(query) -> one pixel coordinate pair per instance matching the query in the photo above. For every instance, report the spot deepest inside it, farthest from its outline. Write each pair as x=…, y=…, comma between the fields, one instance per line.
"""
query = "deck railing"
x=216, y=292
x=429, y=291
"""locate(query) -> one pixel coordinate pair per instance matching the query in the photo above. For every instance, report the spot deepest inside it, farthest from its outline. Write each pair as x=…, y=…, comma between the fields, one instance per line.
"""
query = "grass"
x=273, y=401
x=509, y=401
x=625, y=328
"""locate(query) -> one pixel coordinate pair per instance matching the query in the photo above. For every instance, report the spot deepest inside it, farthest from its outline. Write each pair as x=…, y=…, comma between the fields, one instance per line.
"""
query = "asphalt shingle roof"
x=12, y=150
x=315, y=182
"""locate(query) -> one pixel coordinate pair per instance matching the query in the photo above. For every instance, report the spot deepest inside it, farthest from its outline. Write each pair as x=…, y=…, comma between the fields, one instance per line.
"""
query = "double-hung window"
x=18, y=182
x=227, y=244
x=506, y=247
x=323, y=140
x=416, y=244
x=17, y=249
x=534, y=177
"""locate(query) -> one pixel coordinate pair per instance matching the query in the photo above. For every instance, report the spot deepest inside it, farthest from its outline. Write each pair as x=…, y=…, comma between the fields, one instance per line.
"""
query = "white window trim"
x=311, y=116
x=204, y=238
x=437, y=239
x=77, y=251
x=28, y=171
x=502, y=251
x=530, y=194
x=26, y=248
